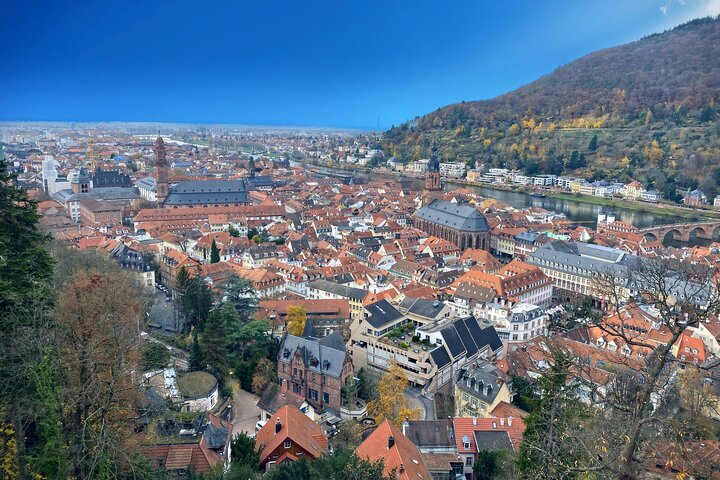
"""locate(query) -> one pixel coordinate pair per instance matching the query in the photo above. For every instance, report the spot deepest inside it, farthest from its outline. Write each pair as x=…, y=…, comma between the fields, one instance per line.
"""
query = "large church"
x=202, y=193
x=460, y=224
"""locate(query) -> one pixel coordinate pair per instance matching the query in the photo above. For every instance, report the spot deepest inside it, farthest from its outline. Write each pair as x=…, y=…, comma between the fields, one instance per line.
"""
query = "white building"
x=452, y=169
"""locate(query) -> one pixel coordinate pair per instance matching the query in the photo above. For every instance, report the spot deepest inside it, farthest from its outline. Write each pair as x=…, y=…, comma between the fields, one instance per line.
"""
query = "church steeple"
x=161, y=171
x=251, y=167
x=432, y=174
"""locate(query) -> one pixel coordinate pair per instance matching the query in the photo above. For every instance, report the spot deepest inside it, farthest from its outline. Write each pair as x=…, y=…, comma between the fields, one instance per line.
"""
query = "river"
x=580, y=212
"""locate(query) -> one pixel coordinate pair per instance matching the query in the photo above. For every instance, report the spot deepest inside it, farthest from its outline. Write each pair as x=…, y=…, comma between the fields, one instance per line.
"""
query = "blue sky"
x=340, y=63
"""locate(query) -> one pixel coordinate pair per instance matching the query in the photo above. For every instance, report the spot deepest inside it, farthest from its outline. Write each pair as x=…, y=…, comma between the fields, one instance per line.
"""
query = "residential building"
x=401, y=458
x=315, y=368
x=288, y=436
x=277, y=396
x=479, y=387
x=324, y=289
x=474, y=435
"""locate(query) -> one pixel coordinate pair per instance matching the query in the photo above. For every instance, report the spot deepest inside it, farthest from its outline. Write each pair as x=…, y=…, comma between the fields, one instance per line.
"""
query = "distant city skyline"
x=362, y=65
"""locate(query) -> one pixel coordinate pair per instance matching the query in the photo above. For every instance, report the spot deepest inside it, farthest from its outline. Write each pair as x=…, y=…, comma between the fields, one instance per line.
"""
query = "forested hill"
x=652, y=104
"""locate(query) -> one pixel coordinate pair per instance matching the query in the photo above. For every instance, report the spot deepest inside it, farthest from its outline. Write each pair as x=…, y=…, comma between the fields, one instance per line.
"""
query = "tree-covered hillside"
x=647, y=110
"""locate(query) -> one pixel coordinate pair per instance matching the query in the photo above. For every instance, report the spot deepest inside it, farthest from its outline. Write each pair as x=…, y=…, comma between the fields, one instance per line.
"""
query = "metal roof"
x=452, y=215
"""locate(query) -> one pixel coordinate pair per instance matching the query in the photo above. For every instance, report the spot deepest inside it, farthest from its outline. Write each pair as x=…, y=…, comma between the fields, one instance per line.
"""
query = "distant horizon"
x=192, y=124
x=295, y=66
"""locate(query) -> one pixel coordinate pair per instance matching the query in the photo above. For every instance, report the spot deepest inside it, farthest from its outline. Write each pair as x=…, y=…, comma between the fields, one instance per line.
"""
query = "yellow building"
x=480, y=386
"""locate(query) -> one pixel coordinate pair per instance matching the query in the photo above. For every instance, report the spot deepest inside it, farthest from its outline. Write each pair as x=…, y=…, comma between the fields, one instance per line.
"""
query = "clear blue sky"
x=345, y=63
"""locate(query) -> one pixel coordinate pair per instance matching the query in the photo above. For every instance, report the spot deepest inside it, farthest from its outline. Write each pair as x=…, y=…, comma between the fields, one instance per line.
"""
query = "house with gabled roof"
x=401, y=458
x=289, y=436
x=474, y=435
x=315, y=368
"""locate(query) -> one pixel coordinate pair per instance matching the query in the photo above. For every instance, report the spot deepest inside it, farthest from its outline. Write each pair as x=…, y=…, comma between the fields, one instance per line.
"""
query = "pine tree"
x=214, y=341
x=25, y=297
x=196, y=362
x=592, y=146
x=214, y=252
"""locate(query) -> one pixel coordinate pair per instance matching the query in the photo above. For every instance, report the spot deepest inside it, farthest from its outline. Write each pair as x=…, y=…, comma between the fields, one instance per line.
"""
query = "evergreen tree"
x=573, y=163
x=214, y=252
x=194, y=298
x=707, y=114
x=197, y=361
x=592, y=146
x=582, y=163
x=214, y=341
x=547, y=450
x=240, y=292
x=244, y=452
x=25, y=328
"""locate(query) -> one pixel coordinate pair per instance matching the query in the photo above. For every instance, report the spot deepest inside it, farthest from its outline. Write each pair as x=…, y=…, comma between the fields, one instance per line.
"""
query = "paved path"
x=246, y=412
x=427, y=406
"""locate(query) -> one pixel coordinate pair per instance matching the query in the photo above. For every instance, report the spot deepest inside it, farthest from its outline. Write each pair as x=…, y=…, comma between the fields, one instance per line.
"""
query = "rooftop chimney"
x=391, y=442
x=405, y=426
x=278, y=425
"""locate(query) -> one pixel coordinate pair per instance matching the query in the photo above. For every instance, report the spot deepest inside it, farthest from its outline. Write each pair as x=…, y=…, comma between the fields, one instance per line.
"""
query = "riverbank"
x=657, y=208
x=612, y=203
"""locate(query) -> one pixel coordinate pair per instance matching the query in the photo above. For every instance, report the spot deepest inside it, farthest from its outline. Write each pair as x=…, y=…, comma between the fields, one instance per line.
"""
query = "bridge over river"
x=684, y=232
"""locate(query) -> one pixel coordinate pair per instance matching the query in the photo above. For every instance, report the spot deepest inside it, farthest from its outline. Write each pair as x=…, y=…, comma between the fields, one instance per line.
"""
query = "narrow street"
x=427, y=406
x=246, y=412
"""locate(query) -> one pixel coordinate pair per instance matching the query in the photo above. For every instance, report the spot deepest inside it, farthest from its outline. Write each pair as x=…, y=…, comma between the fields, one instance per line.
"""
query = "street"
x=246, y=411
x=427, y=407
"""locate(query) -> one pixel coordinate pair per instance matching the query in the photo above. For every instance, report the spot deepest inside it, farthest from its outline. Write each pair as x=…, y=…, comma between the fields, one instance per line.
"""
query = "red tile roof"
x=295, y=426
x=465, y=428
x=403, y=457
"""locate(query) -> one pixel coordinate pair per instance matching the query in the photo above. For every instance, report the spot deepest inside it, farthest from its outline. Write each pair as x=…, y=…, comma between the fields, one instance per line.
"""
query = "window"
x=287, y=444
x=468, y=460
x=326, y=397
x=465, y=397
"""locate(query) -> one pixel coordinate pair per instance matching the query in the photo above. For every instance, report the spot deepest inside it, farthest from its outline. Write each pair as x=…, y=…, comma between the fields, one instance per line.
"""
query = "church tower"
x=432, y=175
x=161, y=171
x=251, y=167
x=91, y=155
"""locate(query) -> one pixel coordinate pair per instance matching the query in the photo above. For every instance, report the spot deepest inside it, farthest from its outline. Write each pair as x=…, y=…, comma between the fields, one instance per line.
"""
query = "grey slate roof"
x=582, y=259
x=382, y=313
x=440, y=357
x=147, y=183
x=357, y=294
x=272, y=398
x=199, y=192
x=493, y=441
x=329, y=357
x=459, y=217
x=431, y=433
x=422, y=307
x=107, y=193
x=215, y=436
x=110, y=178
x=464, y=337
x=480, y=375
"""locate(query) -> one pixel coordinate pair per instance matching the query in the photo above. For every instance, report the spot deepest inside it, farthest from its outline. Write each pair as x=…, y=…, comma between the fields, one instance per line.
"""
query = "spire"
x=309, y=330
x=160, y=152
